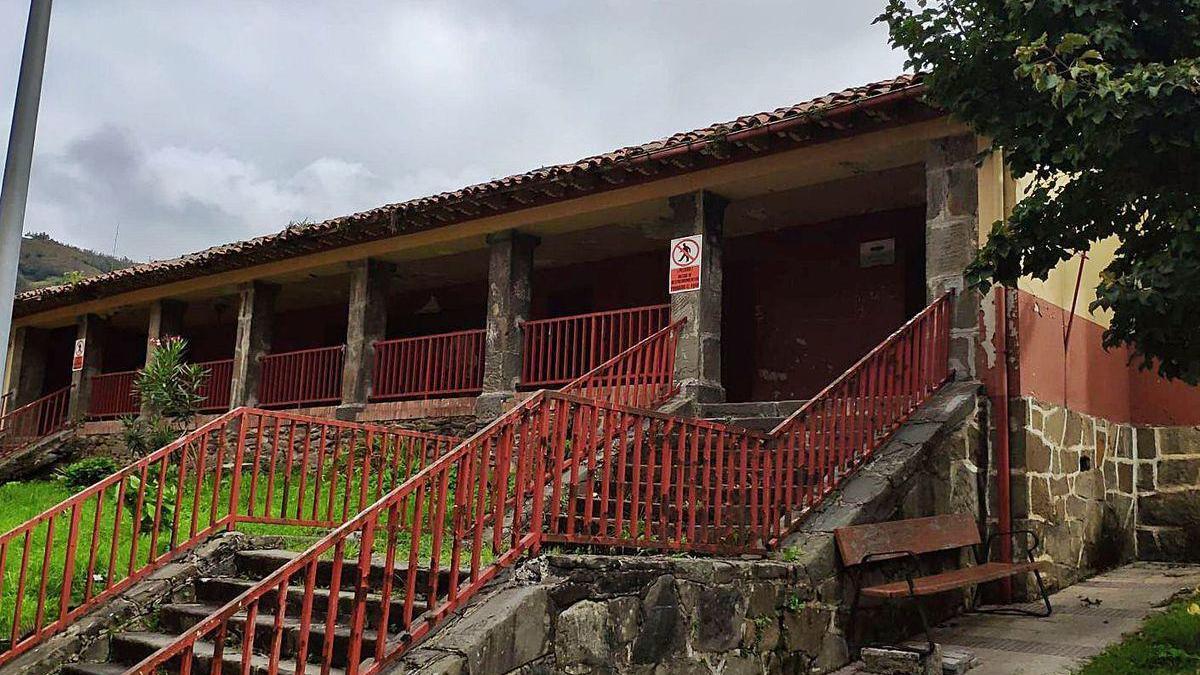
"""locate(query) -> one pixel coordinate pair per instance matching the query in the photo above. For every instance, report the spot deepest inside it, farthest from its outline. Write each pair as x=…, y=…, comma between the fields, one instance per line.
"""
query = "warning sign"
x=685, y=264
x=77, y=359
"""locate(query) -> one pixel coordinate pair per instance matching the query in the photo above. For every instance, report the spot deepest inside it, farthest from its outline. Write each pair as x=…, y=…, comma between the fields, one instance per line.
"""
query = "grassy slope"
x=44, y=261
x=25, y=500
x=1168, y=643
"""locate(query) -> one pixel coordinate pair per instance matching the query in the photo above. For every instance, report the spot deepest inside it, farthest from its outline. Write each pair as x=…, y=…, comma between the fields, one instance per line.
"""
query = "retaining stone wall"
x=1101, y=493
x=585, y=615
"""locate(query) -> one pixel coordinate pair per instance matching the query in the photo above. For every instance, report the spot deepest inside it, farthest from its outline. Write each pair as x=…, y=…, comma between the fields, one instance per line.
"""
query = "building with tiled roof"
x=804, y=236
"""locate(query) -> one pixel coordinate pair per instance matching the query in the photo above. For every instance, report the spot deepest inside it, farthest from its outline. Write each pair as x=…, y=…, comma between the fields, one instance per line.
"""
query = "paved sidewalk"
x=1118, y=601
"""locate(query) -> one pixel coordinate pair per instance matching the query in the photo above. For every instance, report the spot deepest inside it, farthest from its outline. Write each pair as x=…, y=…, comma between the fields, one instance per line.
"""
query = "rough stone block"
x=720, y=612
x=804, y=628
x=1040, y=501
x=1109, y=471
x=1147, y=445
x=1166, y=544
x=1178, y=472
x=1037, y=454
x=1179, y=440
x=956, y=660
x=582, y=636
x=1145, y=477
x=1055, y=425
x=662, y=627
x=624, y=617
x=1179, y=509
x=886, y=661
x=1088, y=485
x=1125, y=478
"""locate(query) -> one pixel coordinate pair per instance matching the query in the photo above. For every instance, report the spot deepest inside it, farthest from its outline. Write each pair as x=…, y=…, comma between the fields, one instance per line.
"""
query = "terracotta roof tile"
x=677, y=153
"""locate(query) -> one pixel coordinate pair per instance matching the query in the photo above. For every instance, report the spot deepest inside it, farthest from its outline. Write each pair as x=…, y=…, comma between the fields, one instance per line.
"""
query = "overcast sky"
x=191, y=124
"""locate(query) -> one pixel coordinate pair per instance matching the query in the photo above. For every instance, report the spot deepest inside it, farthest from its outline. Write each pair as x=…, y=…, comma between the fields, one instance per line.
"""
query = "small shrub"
x=88, y=472
x=169, y=391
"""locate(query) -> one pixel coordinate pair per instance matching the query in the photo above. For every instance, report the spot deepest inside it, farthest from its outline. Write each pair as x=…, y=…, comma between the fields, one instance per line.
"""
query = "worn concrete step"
x=180, y=617
x=93, y=669
x=130, y=648
x=258, y=564
x=219, y=590
x=750, y=409
x=755, y=423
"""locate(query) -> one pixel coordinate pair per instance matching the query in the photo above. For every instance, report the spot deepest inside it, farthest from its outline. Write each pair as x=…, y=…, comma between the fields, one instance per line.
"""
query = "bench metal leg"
x=1015, y=611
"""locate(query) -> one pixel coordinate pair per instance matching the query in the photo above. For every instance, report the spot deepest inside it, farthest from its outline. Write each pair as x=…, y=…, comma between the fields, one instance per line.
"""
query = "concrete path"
x=1117, y=602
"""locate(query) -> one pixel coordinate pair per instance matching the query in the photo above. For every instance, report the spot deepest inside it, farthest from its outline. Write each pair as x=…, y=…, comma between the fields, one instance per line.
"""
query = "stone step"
x=130, y=648
x=220, y=590
x=754, y=423
x=750, y=409
x=93, y=669
x=258, y=564
x=180, y=617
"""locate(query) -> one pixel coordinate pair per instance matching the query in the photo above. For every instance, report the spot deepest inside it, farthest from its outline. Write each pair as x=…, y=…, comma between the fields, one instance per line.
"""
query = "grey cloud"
x=193, y=124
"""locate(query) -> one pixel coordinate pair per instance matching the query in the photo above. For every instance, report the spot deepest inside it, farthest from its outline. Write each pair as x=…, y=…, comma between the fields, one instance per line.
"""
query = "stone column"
x=90, y=328
x=366, y=324
x=256, y=307
x=698, y=354
x=952, y=238
x=27, y=365
x=510, y=271
x=166, y=320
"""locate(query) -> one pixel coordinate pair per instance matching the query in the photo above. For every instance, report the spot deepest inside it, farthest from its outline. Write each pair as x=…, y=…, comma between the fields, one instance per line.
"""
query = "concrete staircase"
x=760, y=415
x=206, y=595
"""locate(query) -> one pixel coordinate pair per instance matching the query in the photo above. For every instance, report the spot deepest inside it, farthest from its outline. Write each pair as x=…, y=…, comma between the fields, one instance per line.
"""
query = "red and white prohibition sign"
x=684, y=274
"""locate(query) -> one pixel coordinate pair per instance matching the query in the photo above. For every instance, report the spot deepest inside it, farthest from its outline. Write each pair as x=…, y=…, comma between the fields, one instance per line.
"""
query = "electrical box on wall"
x=877, y=253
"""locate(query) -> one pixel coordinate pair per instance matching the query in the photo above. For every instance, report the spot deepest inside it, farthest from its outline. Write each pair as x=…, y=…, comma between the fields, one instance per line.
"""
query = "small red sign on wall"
x=77, y=359
x=684, y=272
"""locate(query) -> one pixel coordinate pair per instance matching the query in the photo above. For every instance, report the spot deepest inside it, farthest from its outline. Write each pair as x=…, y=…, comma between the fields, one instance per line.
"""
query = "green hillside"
x=46, y=262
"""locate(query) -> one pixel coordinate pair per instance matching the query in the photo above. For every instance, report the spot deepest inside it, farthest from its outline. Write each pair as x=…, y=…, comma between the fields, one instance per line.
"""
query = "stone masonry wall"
x=1167, y=480
x=680, y=615
x=585, y=615
x=1100, y=493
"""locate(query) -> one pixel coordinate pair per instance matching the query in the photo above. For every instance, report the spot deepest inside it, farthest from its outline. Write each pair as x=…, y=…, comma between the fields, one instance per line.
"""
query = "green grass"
x=26, y=500
x=1167, y=643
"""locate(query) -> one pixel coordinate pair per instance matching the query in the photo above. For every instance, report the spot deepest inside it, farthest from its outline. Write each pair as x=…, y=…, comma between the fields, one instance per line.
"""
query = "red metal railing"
x=34, y=421
x=247, y=465
x=430, y=365
x=574, y=469
x=835, y=432
x=216, y=386
x=559, y=350
x=113, y=395
x=304, y=377
x=640, y=376
x=432, y=523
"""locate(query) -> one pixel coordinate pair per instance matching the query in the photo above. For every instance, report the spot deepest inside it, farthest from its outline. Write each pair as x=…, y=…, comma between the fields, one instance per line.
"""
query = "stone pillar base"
x=702, y=392
x=493, y=403
x=348, y=412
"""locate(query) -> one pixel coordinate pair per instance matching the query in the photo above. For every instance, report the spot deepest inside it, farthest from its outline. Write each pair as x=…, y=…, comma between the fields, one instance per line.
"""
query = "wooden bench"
x=906, y=541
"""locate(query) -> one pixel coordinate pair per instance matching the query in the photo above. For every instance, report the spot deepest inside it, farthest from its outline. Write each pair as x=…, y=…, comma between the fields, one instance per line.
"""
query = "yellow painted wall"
x=998, y=192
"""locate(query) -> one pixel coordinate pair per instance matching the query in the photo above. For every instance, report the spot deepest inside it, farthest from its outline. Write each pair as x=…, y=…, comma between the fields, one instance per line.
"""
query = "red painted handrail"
x=576, y=469
x=34, y=421
x=113, y=395
x=641, y=376
x=839, y=429
x=216, y=386
x=450, y=364
x=304, y=377
x=556, y=351
x=248, y=465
